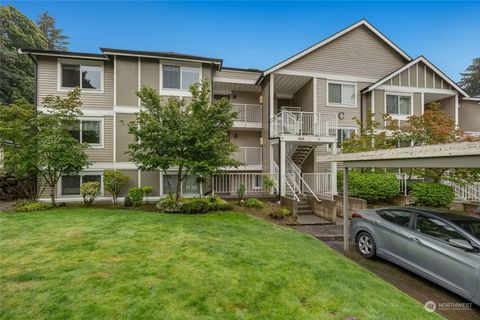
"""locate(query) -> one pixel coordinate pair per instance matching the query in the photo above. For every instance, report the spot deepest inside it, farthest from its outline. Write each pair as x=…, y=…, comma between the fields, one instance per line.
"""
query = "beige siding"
x=152, y=179
x=404, y=78
x=421, y=75
x=417, y=104
x=245, y=97
x=357, y=53
x=304, y=97
x=206, y=72
x=448, y=105
x=265, y=129
x=127, y=81
x=123, y=138
x=104, y=154
x=245, y=138
x=428, y=78
x=379, y=108
x=132, y=182
x=469, y=116
x=232, y=74
x=48, y=84
x=149, y=73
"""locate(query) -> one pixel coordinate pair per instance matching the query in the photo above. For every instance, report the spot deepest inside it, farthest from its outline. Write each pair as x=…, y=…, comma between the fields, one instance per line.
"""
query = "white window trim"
x=339, y=128
x=400, y=94
x=81, y=174
x=177, y=92
x=89, y=63
x=102, y=131
x=333, y=104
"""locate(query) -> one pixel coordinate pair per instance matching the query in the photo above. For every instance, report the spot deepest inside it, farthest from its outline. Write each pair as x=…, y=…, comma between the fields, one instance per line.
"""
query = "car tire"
x=366, y=245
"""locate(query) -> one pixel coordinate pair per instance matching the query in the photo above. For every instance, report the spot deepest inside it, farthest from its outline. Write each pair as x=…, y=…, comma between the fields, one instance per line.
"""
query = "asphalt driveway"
x=415, y=286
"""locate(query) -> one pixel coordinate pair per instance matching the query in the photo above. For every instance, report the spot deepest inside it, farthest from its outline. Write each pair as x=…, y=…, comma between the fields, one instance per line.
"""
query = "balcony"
x=250, y=157
x=248, y=116
x=304, y=126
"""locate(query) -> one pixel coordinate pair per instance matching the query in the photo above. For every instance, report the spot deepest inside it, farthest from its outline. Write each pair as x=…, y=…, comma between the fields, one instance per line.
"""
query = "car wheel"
x=366, y=245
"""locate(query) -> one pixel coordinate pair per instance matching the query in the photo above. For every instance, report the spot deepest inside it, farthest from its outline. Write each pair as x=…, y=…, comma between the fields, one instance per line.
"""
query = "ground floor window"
x=70, y=185
x=190, y=185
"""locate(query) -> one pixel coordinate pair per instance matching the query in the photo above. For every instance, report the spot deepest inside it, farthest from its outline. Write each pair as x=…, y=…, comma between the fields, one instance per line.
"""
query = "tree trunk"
x=52, y=195
x=179, y=184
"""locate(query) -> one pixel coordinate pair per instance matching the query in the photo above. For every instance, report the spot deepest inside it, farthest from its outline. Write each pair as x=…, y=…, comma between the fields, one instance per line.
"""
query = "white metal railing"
x=465, y=192
x=472, y=133
x=248, y=112
x=320, y=183
x=229, y=183
x=402, y=178
x=294, y=175
x=304, y=124
x=290, y=189
x=248, y=156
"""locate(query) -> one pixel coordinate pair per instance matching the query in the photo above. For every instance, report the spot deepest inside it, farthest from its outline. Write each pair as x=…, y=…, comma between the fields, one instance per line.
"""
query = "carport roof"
x=452, y=155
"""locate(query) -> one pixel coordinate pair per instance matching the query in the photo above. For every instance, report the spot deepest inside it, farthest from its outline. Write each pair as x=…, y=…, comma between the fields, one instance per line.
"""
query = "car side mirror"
x=460, y=243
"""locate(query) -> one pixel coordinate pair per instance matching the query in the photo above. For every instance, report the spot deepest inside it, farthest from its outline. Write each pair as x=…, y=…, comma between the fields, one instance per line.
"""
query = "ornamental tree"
x=114, y=181
x=192, y=138
x=58, y=152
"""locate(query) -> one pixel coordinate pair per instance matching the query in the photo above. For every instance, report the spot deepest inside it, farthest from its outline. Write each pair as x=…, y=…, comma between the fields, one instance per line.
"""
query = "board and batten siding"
x=357, y=53
x=48, y=84
x=421, y=76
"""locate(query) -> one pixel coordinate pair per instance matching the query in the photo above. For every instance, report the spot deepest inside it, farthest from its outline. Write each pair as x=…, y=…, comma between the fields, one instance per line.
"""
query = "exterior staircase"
x=303, y=208
x=301, y=153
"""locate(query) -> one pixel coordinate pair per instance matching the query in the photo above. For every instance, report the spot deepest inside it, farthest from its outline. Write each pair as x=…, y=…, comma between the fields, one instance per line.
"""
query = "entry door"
x=432, y=255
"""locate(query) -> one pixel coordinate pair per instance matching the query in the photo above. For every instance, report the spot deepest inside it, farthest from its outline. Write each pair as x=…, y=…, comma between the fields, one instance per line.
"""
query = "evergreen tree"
x=56, y=40
x=470, y=81
x=16, y=73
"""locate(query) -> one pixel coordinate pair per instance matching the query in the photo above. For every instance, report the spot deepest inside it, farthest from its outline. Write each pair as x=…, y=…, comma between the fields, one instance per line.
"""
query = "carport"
x=452, y=155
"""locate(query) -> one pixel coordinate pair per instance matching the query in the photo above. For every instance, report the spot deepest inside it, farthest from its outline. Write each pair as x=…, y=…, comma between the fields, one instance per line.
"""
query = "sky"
x=254, y=34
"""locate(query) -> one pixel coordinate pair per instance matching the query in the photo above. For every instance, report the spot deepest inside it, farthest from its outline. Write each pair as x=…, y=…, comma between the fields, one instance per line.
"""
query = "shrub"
x=169, y=205
x=371, y=186
x=127, y=202
x=280, y=213
x=241, y=192
x=432, y=194
x=136, y=196
x=216, y=203
x=147, y=190
x=89, y=191
x=195, y=206
x=254, y=203
x=114, y=181
x=30, y=206
x=268, y=183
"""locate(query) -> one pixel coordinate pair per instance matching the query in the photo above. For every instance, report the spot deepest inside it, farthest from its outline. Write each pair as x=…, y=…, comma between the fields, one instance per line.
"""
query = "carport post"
x=345, y=209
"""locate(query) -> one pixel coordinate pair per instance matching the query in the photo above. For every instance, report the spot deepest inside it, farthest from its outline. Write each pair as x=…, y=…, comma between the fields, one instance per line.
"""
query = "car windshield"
x=471, y=226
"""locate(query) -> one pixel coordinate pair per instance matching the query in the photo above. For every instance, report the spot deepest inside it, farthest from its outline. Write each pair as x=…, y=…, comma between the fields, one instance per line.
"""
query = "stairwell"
x=301, y=153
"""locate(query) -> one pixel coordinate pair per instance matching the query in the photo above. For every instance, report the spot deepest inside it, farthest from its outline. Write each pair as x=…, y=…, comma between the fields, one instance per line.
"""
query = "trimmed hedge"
x=371, y=186
x=136, y=196
x=31, y=206
x=432, y=194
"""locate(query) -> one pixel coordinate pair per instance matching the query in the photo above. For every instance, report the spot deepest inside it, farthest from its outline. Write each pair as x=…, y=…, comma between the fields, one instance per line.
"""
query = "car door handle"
x=415, y=240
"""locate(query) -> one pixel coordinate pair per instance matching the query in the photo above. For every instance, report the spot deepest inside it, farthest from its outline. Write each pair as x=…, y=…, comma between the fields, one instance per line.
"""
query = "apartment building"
x=289, y=116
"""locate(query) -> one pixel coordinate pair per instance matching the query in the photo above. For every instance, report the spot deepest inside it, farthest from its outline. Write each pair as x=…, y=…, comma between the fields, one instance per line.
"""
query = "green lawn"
x=117, y=264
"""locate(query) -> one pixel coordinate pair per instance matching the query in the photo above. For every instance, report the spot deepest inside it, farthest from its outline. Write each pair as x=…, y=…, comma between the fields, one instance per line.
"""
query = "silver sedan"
x=441, y=246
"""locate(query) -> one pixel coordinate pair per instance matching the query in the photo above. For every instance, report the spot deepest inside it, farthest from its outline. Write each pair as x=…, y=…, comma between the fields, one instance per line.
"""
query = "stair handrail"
x=298, y=172
x=291, y=189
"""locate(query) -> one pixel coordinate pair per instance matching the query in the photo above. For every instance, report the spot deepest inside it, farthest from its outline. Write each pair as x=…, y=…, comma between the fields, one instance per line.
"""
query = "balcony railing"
x=320, y=183
x=229, y=183
x=248, y=113
x=249, y=156
x=304, y=124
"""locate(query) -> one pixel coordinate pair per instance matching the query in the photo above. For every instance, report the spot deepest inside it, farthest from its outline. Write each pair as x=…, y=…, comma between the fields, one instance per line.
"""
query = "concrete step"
x=311, y=219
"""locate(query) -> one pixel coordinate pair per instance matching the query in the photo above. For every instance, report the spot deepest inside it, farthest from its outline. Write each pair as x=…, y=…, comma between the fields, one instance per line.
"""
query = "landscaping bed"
x=117, y=264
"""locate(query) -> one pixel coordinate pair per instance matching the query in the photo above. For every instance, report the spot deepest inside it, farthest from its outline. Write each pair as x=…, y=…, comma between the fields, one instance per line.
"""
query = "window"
x=342, y=94
x=83, y=76
x=344, y=134
x=89, y=131
x=169, y=183
x=437, y=228
x=398, y=105
x=190, y=185
x=71, y=184
x=181, y=78
x=257, y=182
x=218, y=97
x=399, y=217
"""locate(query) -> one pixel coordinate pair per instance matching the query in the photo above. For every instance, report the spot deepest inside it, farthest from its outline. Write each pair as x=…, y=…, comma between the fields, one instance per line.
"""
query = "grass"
x=116, y=264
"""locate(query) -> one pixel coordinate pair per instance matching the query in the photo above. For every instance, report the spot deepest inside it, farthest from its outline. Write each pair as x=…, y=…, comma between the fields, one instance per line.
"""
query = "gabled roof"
x=411, y=63
x=360, y=23
x=56, y=53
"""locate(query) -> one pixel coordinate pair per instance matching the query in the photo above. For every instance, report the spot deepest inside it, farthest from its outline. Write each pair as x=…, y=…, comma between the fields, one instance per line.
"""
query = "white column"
x=345, y=210
x=271, y=95
x=456, y=111
x=333, y=170
x=283, y=164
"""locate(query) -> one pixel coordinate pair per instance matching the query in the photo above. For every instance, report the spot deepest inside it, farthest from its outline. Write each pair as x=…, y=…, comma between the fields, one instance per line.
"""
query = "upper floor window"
x=84, y=76
x=180, y=78
x=89, y=131
x=342, y=94
x=400, y=105
x=344, y=134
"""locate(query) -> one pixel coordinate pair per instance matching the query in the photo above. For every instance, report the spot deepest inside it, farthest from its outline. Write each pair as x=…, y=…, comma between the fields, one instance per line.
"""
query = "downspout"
x=212, y=71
